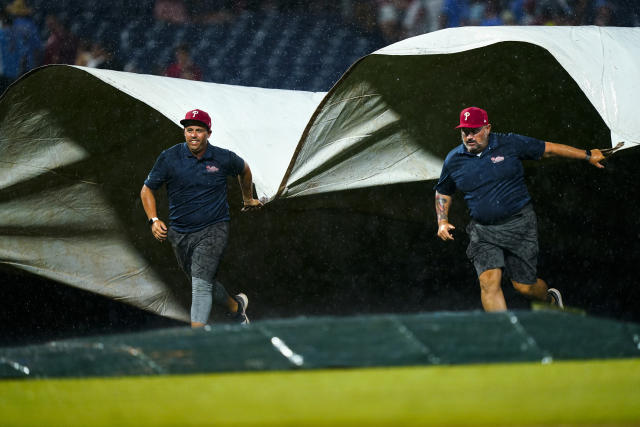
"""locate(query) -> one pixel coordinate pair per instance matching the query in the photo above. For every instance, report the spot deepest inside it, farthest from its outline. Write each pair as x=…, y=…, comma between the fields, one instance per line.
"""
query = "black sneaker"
x=556, y=298
x=240, y=316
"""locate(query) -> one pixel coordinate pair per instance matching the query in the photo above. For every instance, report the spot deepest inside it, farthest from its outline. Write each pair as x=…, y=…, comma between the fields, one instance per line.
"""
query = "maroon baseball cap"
x=473, y=117
x=197, y=116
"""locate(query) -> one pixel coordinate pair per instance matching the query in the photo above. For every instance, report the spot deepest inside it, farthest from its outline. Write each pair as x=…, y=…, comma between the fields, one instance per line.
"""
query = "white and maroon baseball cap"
x=473, y=117
x=197, y=116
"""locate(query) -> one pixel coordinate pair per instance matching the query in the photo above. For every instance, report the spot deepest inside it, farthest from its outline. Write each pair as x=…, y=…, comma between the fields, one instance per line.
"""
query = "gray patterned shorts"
x=511, y=244
x=199, y=253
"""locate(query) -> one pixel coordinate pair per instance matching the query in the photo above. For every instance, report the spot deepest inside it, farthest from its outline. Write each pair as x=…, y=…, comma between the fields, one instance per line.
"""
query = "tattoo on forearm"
x=442, y=208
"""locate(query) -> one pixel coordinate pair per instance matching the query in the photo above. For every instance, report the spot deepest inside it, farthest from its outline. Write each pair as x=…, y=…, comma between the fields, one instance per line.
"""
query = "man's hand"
x=444, y=230
x=251, y=205
x=159, y=230
x=596, y=158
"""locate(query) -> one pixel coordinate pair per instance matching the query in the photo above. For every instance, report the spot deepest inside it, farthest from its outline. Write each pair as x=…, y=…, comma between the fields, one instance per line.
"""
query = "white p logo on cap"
x=195, y=113
x=466, y=115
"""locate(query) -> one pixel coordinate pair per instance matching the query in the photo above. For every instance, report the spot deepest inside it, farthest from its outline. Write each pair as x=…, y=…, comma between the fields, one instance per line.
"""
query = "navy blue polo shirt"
x=493, y=182
x=197, y=189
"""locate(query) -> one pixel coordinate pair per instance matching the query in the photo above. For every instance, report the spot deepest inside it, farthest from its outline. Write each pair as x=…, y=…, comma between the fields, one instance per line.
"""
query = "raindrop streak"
x=15, y=365
x=294, y=358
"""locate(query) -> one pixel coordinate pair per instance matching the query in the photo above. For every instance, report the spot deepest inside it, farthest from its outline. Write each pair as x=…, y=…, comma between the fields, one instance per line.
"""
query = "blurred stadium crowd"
x=288, y=44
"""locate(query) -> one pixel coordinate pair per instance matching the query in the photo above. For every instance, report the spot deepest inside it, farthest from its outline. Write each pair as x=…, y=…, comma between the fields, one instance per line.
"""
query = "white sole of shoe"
x=245, y=303
x=557, y=296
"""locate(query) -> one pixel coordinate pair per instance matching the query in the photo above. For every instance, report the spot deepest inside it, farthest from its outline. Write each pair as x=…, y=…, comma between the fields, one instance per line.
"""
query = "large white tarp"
x=262, y=126
x=77, y=143
x=387, y=119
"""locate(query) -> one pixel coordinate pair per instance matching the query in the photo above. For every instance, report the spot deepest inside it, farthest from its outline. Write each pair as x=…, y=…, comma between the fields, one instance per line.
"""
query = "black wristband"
x=588, y=155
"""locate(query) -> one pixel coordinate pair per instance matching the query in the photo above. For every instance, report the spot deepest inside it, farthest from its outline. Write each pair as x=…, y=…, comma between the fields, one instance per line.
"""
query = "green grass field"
x=603, y=392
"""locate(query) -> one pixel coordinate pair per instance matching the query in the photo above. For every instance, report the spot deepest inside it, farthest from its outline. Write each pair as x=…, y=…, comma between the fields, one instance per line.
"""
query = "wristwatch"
x=152, y=220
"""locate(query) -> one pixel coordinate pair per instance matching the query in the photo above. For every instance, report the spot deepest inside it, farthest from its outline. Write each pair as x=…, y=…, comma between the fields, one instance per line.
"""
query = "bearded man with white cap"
x=195, y=174
x=487, y=168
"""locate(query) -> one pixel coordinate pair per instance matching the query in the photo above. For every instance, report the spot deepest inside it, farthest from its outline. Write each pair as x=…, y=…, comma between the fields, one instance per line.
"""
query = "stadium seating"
x=257, y=48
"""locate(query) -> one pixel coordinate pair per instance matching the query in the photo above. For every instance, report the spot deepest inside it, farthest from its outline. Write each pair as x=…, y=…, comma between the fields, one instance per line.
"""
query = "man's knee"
x=490, y=280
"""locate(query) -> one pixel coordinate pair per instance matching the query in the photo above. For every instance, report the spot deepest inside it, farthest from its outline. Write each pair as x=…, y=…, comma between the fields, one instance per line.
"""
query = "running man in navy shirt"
x=195, y=173
x=487, y=168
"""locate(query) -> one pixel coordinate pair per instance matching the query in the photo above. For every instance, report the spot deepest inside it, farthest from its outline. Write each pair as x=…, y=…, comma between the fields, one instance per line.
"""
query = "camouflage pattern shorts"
x=511, y=244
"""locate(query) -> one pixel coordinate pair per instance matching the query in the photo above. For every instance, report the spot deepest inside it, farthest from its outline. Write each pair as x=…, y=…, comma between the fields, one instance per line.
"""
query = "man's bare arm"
x=552, y=149
x=246, y=186
x=443, y=203
x=158, y=228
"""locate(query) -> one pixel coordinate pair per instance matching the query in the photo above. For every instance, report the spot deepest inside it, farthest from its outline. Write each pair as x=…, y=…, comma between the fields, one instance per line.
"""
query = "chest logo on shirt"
x=211, y=168
x=497, y=159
